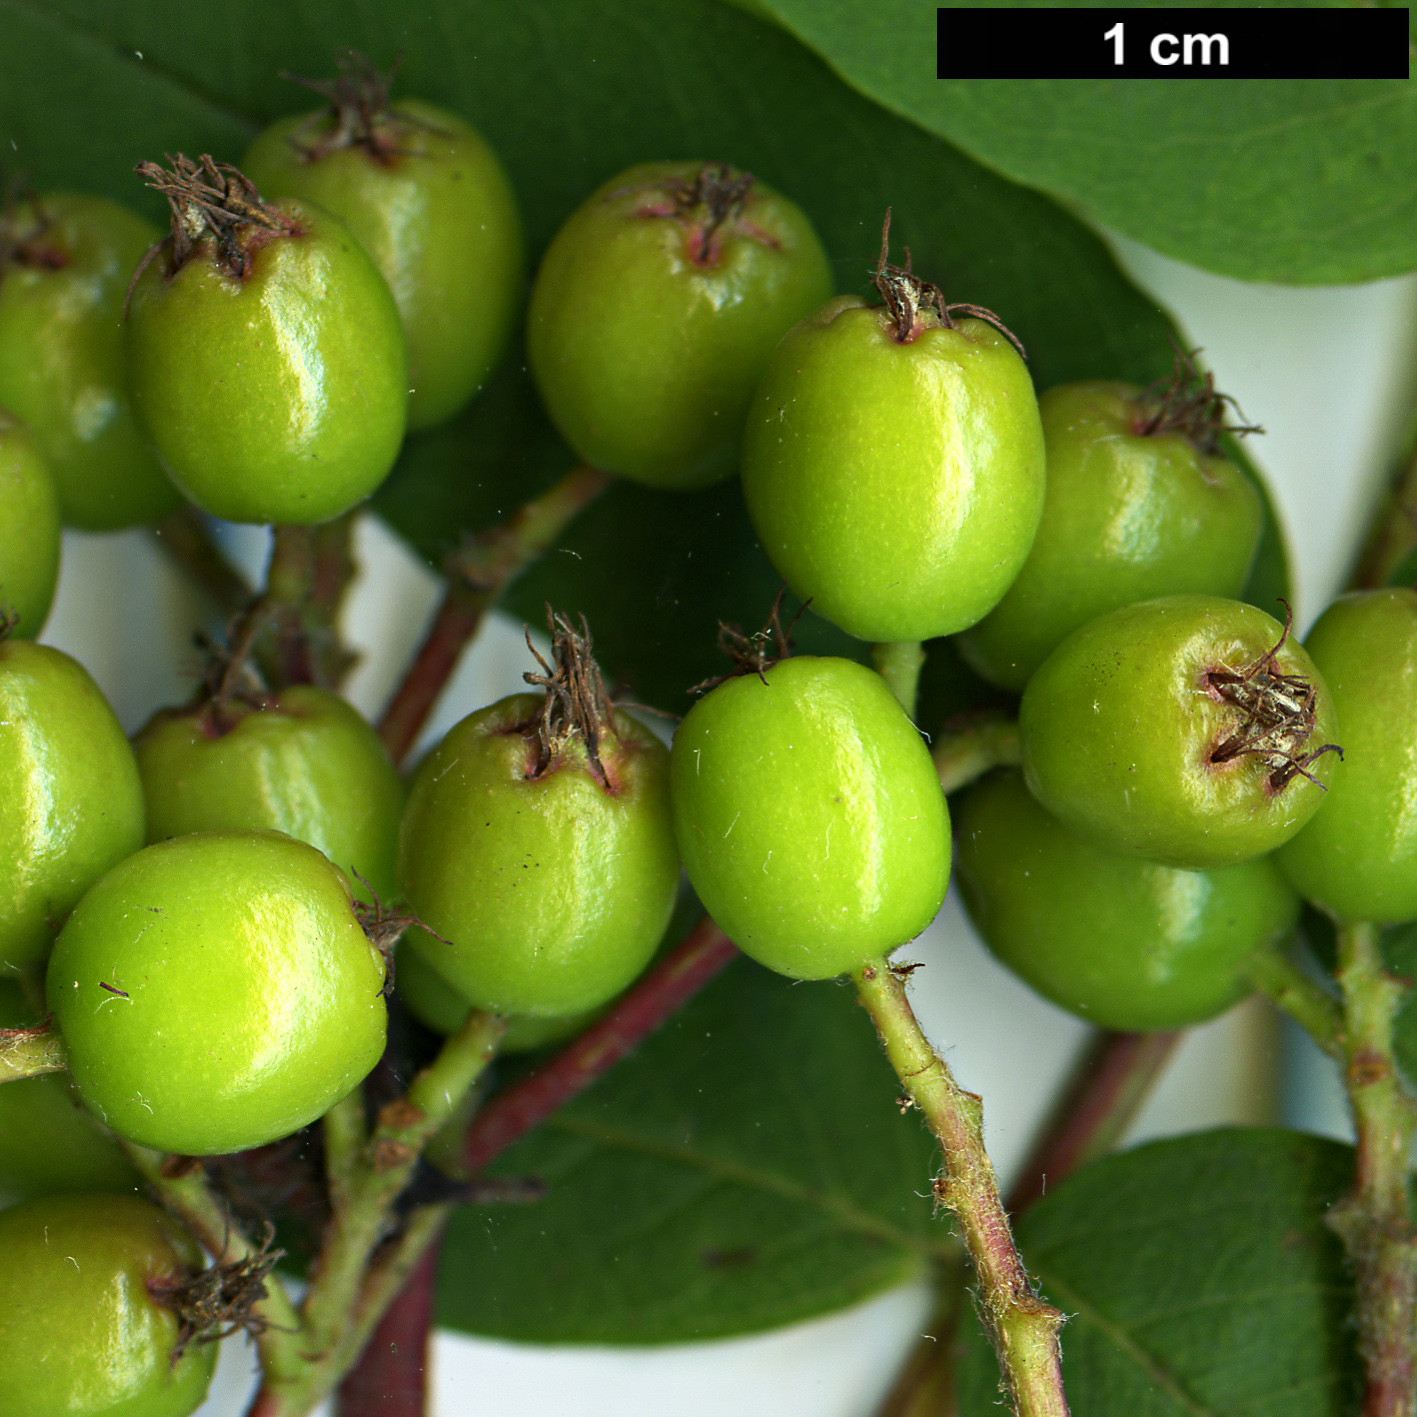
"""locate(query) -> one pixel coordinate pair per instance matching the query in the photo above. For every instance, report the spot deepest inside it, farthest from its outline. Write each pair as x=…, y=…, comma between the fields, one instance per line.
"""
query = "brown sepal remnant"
x=1278, y=716
x=384, y=926
x=357, y=112
x=703, y=204
x=26, y=244
x=758, y=652
x=231, y=685
x=9, y=618
x=217, y=1302
x=210, y=198
x=907, y=299
x=1187, y=404
x=576, y=704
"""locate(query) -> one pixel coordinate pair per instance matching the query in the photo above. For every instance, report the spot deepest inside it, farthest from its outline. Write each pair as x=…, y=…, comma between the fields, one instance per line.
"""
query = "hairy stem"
x=968, y=746
x=336, y=1317
x=513, y=1113
x=1276, y=976
x=899, y=664
x=30, y=1052
x=1374, y=1220
x=1024, y=1329
x=181, y=1186
x=477, y=577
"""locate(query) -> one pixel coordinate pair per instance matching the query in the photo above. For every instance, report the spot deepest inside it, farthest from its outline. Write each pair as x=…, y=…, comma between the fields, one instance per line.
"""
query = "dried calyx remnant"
x=1277, y=716
x=715, y=195
x=758, y=652
x=231, y=685
x=357, y=113
x=213, y=199
x=24, y=241
x=218, y=1301
x=1187, y=404
x=576, y=706
x=907, y=299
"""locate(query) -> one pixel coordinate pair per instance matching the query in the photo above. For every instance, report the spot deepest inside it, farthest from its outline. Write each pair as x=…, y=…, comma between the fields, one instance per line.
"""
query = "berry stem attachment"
x=478, y=575
x=184, y=537
x=899, y=664
x=31, y=1052
x=1022, y=1327
x=1374, y=1220
x=1280, y=979
x=971, y=744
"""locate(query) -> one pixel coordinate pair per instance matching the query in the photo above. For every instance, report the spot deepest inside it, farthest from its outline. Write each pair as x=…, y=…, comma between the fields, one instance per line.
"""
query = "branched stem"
x=1275, y=975
x=1374, y=1220
x=477, y=577
x=968, y=746
x=184, y=537
x=1023, y=1328
x=899, y=662
x=30, y=1052
x=340, y=1309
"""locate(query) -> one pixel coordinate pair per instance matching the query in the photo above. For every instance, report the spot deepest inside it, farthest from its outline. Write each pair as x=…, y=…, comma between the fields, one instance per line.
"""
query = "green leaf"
x=745, y=1168
x=569, y=94
x=1302, y=181
x=1199, y=1280
x=1405, y=572
x=1399, y=947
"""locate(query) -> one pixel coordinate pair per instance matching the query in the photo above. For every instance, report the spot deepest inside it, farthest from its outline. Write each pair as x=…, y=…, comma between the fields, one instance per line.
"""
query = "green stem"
x=30, y=1052
x=1393, y=535
x=333, y=1307
x=343, y=1126
x=1374, y=1220
x=183, y=535
x=1276, y=976
x=1023, y=1328
x=899, y=663
x=180, y=1183
x=968, y=746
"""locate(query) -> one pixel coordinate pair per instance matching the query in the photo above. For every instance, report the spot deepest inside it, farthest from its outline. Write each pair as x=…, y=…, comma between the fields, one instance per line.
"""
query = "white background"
x=1329, y=373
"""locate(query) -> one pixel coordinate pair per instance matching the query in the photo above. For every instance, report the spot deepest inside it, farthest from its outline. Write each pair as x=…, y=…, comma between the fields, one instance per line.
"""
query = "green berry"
x=655, y=309
x=1136, y=507
x=430, y=203
x=216, y=992
x=266, y=357
x=301, y=762
x=1189, y=730
x=63, y=280
x=809, y=816
x=893, y=463
x=71, y=802
x=1357, y=858
x=29, y=530
x=1122, y=942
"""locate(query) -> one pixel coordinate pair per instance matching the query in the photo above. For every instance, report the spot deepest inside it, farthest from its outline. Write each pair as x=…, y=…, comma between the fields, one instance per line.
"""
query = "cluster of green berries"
x=206, y=902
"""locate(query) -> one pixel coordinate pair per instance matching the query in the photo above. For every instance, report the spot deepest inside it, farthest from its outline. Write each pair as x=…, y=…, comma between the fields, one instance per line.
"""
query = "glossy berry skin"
x=437, y=1005
x=49, y=1142
x=1357, y=858
x=29, y=529
x=646, y=338
x=1124, y=943
x=81, y=1334
x=62, y=366
x=895, y=485
x=810, y=817
x=71, y=803
x=304, y=763
x=1126, y=517
x=1120, y=725
x=552, y=891
x=278, y=398
x=439, y=219
x=251, y=1000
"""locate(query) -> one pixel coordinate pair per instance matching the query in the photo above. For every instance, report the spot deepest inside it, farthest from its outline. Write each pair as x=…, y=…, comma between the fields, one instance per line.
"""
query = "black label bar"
x=1172, y=44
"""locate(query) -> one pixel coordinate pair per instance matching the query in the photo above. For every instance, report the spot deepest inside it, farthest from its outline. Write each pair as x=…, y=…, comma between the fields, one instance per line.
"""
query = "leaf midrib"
x=848, y=1216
